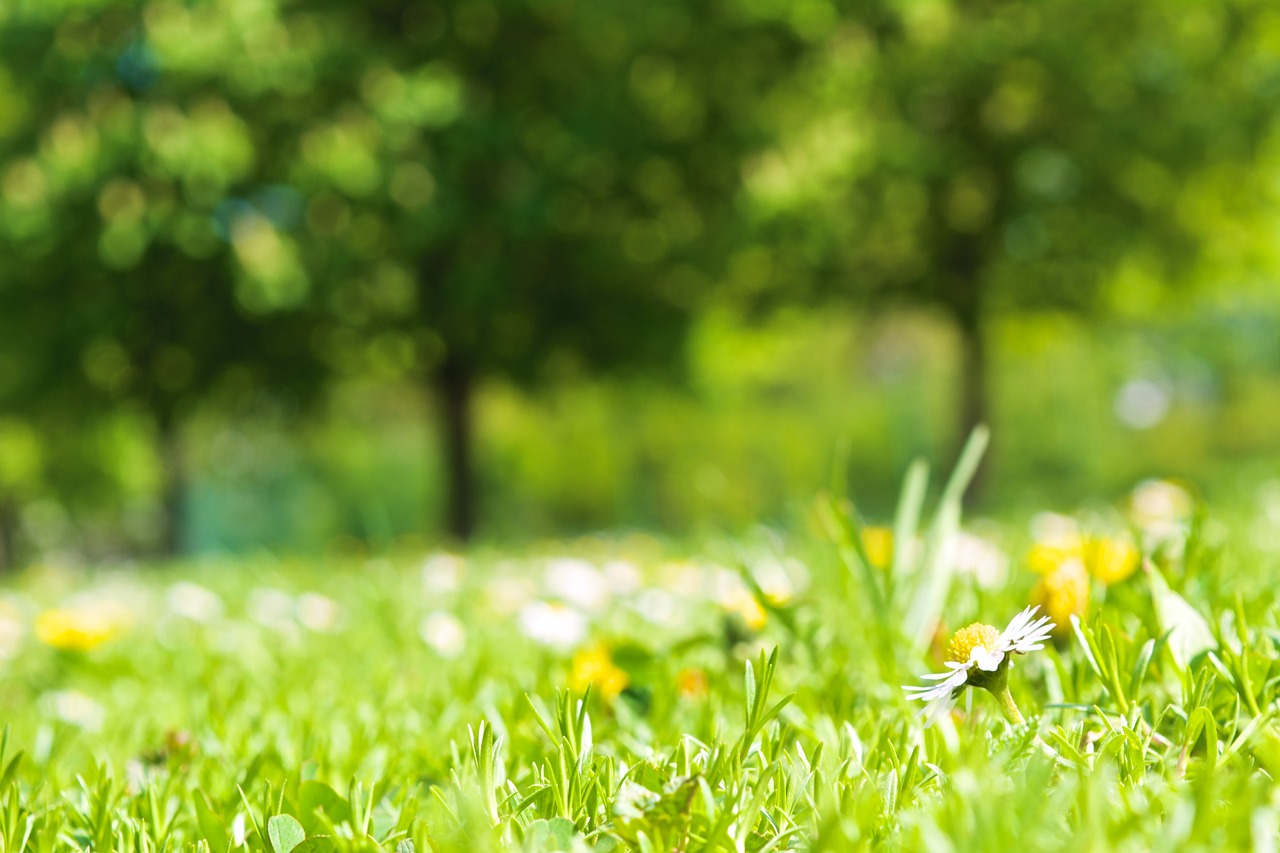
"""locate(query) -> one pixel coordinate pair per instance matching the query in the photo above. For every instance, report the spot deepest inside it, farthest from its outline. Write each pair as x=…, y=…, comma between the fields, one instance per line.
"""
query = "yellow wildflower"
x=878, y=543
x=1111, y=560
x=1108, y=559
x=1044, y=557
x=1062, y=592
x=691, y=683
x=593, y=667
x=741, y=603
x=79, y=629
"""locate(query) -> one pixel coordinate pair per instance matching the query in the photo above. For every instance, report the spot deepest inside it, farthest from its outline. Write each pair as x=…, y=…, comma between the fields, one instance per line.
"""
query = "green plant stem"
x=1007, y=706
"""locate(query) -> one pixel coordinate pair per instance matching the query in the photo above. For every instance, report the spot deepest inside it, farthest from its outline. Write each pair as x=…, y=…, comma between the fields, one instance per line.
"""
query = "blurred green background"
x=322, y=275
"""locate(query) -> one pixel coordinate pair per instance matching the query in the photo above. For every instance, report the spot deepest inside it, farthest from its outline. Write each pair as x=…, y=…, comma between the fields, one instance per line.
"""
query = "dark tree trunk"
x=964, y=301
x=174, y=499
x=8, y=535
x=974, y=404
x=453, y=387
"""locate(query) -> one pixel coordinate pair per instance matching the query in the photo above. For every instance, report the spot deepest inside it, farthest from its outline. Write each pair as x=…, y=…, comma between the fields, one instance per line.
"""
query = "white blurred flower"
x=74, y=708
x=731, y=592
x=239, y=830
x=194, y=602
x=12, y=630
x=273, y=608
x=727, y=586
x=1142, y=403
x=780, y=581
x=1162, y=511
x=623, y=577
x=685, y=578
x=1265, y=528
x=577, y=582
x=442, y=573
x=443, y=632
x=1054, y=529
x=507, y=594
x=1159, y=500
x=981, y=559
x=656, y=605
x=553, y=624
x=317, y=612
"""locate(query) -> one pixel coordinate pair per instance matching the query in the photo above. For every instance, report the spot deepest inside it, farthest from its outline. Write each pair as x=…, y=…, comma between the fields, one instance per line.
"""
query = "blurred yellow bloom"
x=80, y=629
x=1111, y=560
x=742, y=604
x=1044, y=557
x=878, y=543
x=594, y=668
x=1062, y=592
x=1108, y=559
x=691, y=683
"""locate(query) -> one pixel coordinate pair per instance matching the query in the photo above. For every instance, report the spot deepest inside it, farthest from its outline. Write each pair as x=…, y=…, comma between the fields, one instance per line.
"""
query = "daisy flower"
x=981, y=656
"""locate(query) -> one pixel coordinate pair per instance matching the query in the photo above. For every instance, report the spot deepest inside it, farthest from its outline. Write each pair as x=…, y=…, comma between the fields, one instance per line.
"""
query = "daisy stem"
x=1007, y=706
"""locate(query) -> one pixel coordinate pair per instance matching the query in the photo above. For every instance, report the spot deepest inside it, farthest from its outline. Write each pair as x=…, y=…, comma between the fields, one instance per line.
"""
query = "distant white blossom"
x=656, y=605
x=553, y=624
x=1162, y=512
x=623, y=577
x=507, y=594
x=74, y=708
x=272, y=608
x=1055, y=529
x=192, y=601
x=318, y=612
x=12, y=630
x=442, y=573
x=444, y=633
x=981, y=559
x=577, y=582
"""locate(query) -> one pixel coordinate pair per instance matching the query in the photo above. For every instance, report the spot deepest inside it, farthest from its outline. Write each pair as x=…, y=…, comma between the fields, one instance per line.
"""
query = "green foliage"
x=214, y=205
x=281, y=708
x=211, y=212
x=905, y=599
x=998, y=156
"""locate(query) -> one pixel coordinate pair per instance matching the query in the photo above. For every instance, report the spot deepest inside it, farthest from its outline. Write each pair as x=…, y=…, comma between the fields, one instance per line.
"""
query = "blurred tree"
x=527, y=189
x=983, y=157
x=149, y=264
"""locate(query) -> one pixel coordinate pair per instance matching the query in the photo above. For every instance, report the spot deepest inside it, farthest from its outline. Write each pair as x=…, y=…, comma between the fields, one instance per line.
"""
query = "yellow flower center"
x=964, y=641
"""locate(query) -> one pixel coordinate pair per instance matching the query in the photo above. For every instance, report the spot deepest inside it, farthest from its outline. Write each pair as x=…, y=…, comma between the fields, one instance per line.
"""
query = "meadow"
x=628, y=692
x=416, y=416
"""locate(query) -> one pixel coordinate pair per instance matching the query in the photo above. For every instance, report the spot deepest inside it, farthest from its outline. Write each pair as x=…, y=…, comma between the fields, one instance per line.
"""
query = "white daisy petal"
x=929, y=696
x=942, y=691
x=925, y=690
x=952, y=666
x=987, y=660
x=938, y=709
x=1025, y=635
x=1014, y=630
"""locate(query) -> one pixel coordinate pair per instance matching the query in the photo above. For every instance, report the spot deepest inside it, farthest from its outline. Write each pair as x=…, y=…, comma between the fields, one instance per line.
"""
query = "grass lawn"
x=624, y=694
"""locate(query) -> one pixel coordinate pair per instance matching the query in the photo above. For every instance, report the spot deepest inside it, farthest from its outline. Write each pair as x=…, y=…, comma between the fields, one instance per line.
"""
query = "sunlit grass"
x=626, y=694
